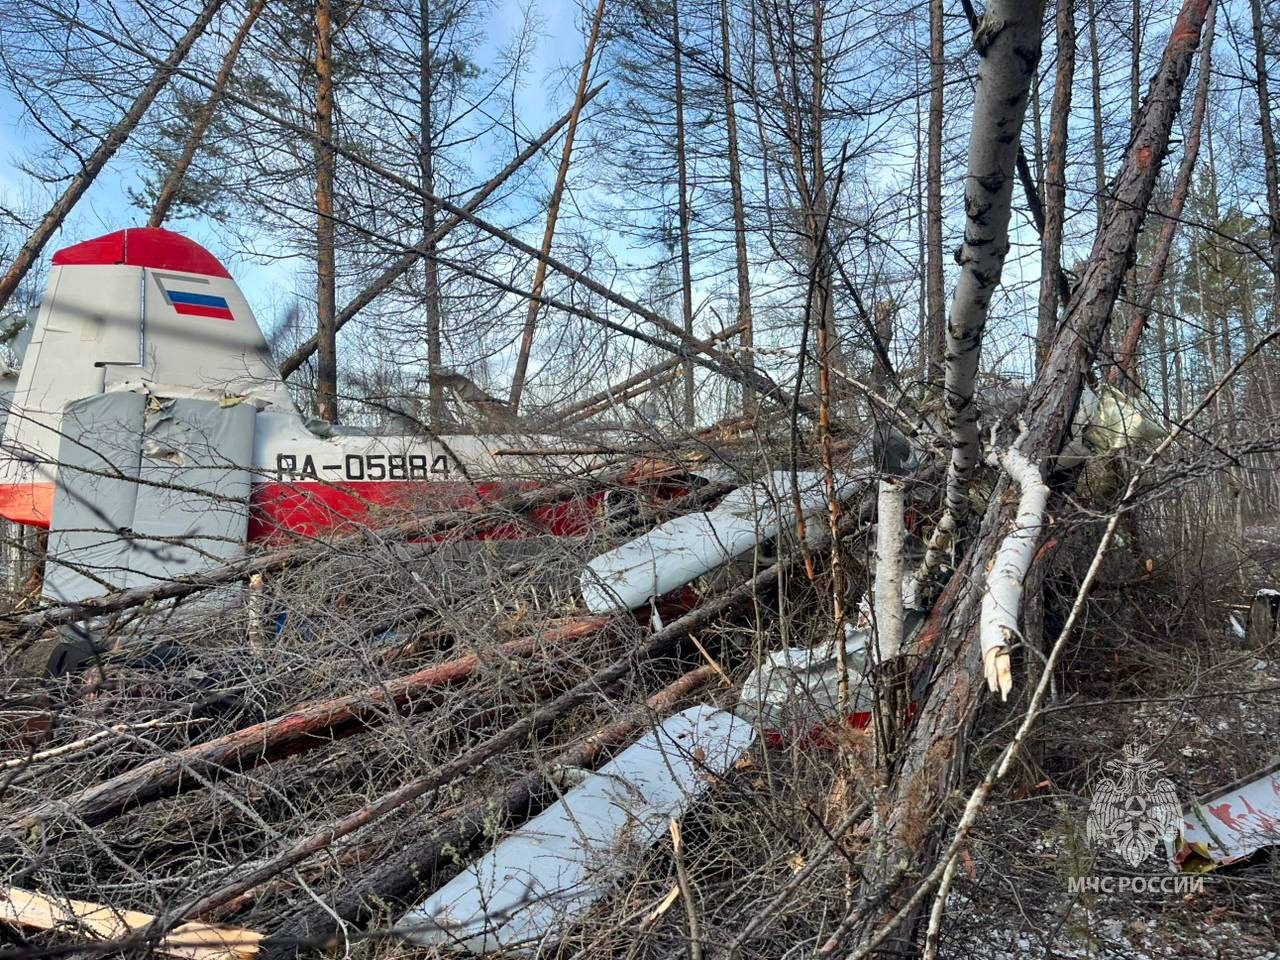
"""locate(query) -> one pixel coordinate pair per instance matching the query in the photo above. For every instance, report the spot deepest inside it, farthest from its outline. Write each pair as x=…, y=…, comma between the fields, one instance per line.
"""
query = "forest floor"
x=1153, y=662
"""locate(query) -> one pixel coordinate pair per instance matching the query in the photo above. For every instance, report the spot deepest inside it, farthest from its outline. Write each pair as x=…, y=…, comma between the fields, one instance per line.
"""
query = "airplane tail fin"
x=144, y=309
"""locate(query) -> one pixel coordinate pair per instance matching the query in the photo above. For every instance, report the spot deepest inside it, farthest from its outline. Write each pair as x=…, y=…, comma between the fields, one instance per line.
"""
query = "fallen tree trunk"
x=530, y=726
x=304, y=728
x=905, y=837
x=402, y=879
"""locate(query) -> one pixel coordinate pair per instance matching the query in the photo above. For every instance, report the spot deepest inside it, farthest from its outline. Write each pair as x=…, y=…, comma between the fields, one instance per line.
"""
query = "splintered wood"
x=191, y=941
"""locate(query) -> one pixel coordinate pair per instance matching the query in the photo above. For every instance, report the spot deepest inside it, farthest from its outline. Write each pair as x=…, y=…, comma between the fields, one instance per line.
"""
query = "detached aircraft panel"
x=679, y=551
x=546, y=874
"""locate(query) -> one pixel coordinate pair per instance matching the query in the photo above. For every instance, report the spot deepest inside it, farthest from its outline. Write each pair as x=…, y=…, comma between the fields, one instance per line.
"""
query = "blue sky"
x=106, y=207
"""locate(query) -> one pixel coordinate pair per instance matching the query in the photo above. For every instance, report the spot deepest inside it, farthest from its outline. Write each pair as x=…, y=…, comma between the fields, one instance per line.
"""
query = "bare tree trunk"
x=1263, y=87
x=426, y=172
x=1126, y=358
x=682, y=204
x=105, y=150
x=553, y=213
x=747, y=337
x=824, y=300
x=326, y=271
x=1037, y=137
x=932, y=760
x=1055, y=188
x=1135, y=65
x=934, y=296
x=178, y=172
x=1095, y=86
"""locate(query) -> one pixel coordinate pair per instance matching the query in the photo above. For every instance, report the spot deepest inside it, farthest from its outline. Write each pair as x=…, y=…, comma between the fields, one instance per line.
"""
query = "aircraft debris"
x=1230, y=824
x=547, y=873
x=795, y=692
x=679, y=551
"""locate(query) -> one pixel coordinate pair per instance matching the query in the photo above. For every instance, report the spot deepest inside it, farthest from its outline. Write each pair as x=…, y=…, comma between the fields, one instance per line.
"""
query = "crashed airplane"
x=150, y=431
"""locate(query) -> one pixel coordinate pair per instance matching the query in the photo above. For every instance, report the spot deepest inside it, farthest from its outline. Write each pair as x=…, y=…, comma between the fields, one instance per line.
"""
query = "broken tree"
x=933, y=758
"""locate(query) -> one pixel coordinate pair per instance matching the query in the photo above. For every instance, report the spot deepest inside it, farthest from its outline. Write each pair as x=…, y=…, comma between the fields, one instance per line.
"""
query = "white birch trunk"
x=1008, y=44
x=888, y=609
x=998, y=626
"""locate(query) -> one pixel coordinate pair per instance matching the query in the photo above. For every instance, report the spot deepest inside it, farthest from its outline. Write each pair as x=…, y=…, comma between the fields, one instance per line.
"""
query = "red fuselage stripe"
x=308, y=508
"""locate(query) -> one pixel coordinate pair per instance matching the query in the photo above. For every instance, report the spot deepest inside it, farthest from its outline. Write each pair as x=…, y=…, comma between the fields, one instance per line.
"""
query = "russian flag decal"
x=198, y=304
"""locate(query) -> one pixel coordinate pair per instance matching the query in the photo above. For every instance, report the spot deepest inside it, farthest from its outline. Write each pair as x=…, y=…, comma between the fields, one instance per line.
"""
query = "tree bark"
x=1055, y=188
x=177, y=174
x=1126, y=359
x=682, y=209
x=426, y=171
x=936, y=310
x=1095, y=87
x=1008, y=45
x=743, y=273
x=1263, y=87
x=1135, y=64
x=326, y=270
x=113, y=141
x=553, y=213
x=933, y=760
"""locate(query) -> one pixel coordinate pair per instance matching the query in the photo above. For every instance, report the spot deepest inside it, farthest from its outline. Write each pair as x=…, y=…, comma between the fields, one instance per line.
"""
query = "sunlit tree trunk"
x=553, y=214
x=1095, y=87
x=1013, y=30
x=747, y=336
x=1055, y=186
x=682, y=203
x=935, y=336
x=1126, y=359
x=426, y=174
x=1262, y=86
x=326, y=271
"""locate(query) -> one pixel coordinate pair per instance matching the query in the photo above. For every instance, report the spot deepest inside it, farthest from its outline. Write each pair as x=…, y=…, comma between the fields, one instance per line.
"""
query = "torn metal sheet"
x=1107, y=422
x=796, y=690
x=1230, y=824
x=681, y=550
x=543, y=877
